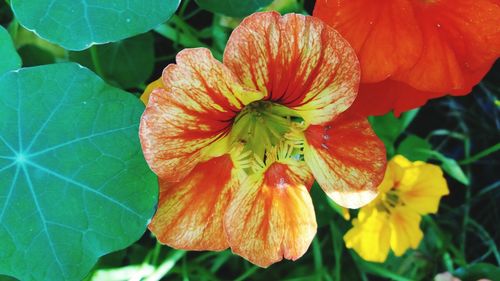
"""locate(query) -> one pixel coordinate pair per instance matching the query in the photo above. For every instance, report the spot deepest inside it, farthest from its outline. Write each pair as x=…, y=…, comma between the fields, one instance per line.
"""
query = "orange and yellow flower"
x=392, y=221
x=413, y=50
x=237, y=144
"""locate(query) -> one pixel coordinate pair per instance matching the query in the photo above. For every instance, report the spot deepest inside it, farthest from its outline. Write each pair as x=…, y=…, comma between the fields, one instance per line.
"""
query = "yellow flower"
x=392, y=221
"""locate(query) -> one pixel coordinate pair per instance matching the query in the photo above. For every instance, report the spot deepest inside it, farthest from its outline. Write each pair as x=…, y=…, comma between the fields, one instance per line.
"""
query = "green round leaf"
x=126, y=63
x=9, y=59
x=76, y=25
x=233, y=8
x=74, y=185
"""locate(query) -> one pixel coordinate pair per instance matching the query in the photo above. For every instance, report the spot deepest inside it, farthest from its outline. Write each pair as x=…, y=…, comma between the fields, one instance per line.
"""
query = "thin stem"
x=95, y=61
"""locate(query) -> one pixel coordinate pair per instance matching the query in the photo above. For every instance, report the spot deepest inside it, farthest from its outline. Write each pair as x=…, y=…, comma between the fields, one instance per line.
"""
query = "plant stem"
x=95, y=61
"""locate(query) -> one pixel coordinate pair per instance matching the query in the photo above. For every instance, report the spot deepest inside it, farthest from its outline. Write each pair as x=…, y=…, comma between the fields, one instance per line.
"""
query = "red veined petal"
x=272, y=215
x=190, y=213
x=385, y=34
x=297, y=61
x=193, y=110
x=347, y=159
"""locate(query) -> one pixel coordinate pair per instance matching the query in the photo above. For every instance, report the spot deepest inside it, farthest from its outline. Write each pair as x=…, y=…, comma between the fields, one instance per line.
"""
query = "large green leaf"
x=126, y=63
x=76, y=25
x=74, y=184
x=9, y=59
x=233, y=8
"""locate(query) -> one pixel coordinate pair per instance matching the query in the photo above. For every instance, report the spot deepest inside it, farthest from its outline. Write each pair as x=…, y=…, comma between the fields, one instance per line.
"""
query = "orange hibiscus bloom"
x=413, y=50
x=237, y=145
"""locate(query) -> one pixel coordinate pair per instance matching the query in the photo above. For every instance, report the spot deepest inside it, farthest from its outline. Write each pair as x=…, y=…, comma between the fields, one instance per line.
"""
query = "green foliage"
x=233, y=8
x=9, y=59
x=76, y=25
x=33, y=55
x=414, y=148
x=388, y=128
x=478, y=271
x=127, y=63
x=74, y=183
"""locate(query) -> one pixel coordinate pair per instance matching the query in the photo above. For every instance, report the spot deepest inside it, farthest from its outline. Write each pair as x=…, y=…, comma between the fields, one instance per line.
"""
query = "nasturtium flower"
x=392, y=221
x=411, y=51
x=237, y=145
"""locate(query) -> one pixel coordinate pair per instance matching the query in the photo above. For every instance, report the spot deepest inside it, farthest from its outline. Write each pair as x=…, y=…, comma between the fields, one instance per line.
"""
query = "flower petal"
x=347, y=159
x=405, y=230
x=370, y=236
x=379, y=98
x=434, y=48
x=427, y=190
x=272, y=215
x=297, y=61
x=193, y=110
x=158, y=83
x=460, y=38
x=384, y=34
x=190, y=213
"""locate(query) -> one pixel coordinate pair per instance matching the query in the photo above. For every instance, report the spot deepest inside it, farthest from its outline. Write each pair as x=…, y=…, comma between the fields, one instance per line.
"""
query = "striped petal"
x=347, y=159
x=297, y=61
x=190, y=114
x=190, y=213
x=272, y=215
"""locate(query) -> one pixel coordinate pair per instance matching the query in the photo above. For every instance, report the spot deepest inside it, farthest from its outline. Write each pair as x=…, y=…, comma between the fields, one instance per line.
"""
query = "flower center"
x=264, y=127
x=390, y=200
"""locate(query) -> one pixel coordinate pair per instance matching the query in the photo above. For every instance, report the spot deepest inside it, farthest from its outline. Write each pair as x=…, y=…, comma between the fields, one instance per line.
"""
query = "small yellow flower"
x=392, y=221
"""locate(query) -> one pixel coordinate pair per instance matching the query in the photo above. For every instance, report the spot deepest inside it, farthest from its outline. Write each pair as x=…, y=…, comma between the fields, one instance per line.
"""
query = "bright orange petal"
x=432, y=48
x=347, y=159
x=272, y=216
x=462, y=37
x=297, y=61
x=384, y=34
x=193, y=110
x=380, y=98
x=190, y=213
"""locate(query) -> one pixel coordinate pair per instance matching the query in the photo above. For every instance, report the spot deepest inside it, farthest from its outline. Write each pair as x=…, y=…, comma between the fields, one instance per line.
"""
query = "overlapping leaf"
x=126, y=63
x=74, y=182
x=9, y=59
x=76, y=25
